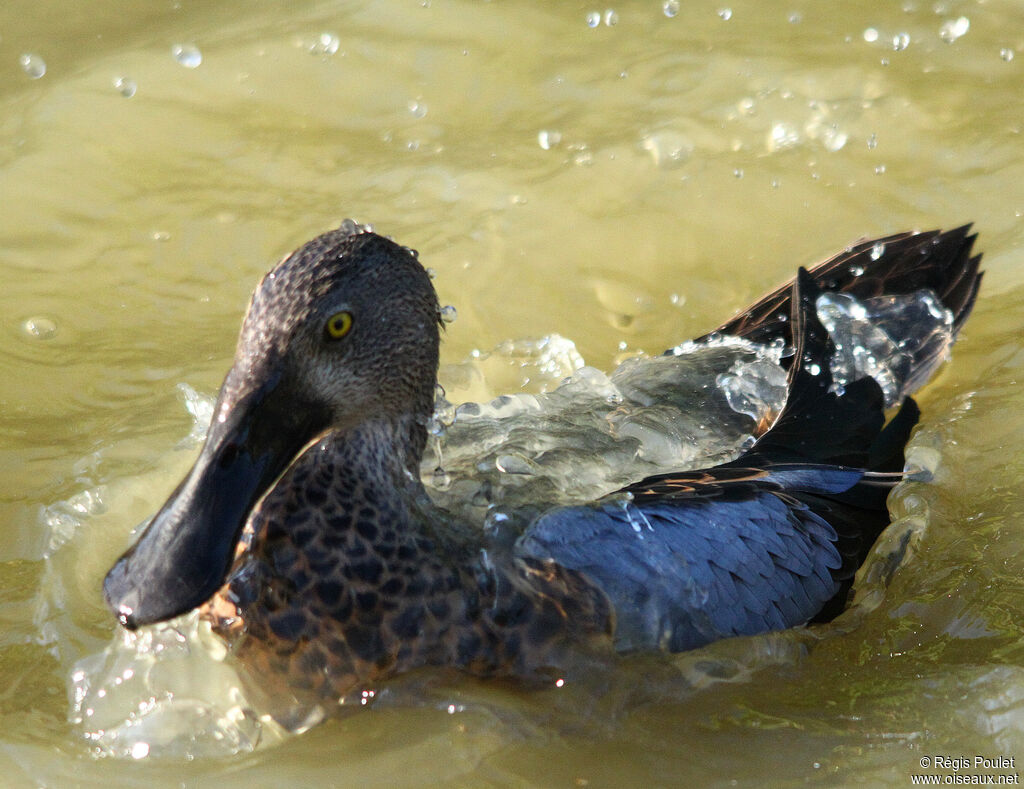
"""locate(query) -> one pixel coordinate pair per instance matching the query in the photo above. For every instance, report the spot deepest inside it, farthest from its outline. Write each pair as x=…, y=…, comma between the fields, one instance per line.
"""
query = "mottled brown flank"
x=345, y=584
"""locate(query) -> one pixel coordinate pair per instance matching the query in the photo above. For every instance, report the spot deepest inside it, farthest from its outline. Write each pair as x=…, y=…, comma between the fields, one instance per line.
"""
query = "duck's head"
x=343, y=331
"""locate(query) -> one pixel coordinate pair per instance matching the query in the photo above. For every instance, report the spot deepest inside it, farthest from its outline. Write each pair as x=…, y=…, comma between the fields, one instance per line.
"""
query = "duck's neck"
x=384, y=452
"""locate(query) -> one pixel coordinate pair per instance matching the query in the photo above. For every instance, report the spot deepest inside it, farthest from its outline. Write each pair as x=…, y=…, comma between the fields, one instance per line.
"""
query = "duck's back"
x=766, y=542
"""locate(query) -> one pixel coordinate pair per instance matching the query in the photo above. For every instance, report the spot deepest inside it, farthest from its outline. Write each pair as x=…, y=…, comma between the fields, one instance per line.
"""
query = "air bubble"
x=725, y=13
x=594, y=19
x=33, y=65
x=418, y=109
x=877, y=251
x=611, y=18
x=871, y=35
x=872, y=141
x=738, y=172
x=188, y=55
x=448, y=314
x=880, y=169
x=670, y=8
x=126, y=87
x=900, y=41
x=1006, y=54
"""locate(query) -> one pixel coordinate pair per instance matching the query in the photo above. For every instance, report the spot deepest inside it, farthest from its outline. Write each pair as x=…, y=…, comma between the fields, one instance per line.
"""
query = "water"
x=138, y=229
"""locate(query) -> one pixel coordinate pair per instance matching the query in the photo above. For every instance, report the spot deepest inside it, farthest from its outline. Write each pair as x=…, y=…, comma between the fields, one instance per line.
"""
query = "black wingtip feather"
x=893, y=265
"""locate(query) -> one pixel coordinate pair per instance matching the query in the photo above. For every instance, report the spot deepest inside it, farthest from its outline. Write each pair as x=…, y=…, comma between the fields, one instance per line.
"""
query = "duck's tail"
x=896, y=265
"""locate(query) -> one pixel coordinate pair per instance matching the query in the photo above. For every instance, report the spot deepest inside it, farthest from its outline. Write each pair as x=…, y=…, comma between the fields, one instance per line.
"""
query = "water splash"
x=897, y=340
x=164, y=691
x=598, y=432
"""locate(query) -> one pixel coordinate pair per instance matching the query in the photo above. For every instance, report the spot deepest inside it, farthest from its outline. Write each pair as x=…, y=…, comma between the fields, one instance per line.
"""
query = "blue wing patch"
x=683, y=571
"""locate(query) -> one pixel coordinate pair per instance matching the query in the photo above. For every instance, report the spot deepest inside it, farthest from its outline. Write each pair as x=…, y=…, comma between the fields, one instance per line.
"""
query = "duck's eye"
x=338, y=325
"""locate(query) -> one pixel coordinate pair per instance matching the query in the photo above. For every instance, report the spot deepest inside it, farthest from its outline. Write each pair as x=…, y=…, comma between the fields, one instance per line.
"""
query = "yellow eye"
x=338, y=325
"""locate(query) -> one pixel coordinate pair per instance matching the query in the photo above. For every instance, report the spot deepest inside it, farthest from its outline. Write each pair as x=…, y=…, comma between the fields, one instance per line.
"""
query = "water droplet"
x=670, y=8
x=126, y=87
x=448, y=314
x=782, y=136
x=877, y=251
x=188, y=55
x=871, y=35
x=725, y=13
x=593, y=18
x=611, y=18
x=39, y=327
x=952, y=29
x=667, y=148
x=834, y=139
x=583, y=158
x=900, y=41
x=325, y=44
x=33, y=65
x=442, y=480
x=548, y=139
x=880, y=169
x=872, y=141
x=1006, y=54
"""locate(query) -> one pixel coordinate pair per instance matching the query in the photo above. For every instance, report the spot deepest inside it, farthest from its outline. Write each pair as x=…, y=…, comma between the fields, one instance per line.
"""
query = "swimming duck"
x=306, y=537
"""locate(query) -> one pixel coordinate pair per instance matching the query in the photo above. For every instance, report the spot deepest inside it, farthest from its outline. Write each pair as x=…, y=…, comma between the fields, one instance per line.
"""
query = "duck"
x=305, y=536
